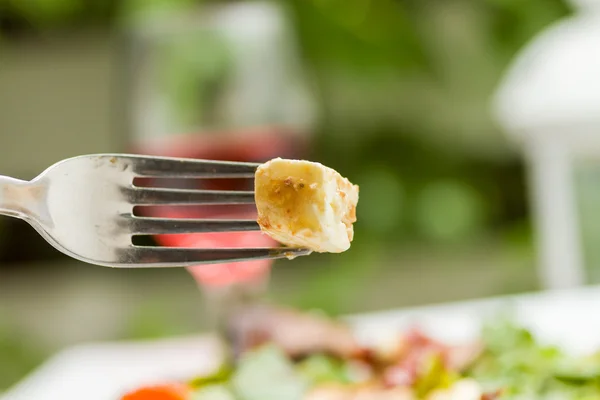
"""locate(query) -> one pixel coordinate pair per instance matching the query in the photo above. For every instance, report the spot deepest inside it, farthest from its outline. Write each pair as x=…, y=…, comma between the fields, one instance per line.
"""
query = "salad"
x=280, y=354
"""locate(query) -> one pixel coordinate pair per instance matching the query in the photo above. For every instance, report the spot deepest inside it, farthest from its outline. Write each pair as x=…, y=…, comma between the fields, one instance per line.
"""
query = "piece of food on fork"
x=86, y=207
x=305, y=204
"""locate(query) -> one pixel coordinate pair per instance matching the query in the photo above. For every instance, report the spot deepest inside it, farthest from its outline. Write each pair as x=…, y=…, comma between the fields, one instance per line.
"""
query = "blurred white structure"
x=549, y=101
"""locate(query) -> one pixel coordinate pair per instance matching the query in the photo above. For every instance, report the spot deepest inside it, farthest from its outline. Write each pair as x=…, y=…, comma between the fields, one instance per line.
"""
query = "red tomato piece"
x=173, y=391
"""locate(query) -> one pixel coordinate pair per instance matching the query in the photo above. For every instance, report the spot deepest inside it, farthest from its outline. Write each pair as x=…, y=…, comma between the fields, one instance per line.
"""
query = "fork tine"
x=185, y=257
x=158, y=167
x=157, y=226
x=158, y=196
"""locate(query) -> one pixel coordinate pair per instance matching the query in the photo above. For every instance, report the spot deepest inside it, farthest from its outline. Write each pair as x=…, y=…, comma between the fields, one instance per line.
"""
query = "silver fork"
x=83, y=206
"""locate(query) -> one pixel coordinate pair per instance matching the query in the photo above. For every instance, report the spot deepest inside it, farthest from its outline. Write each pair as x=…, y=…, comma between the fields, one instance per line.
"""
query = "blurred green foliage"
x=588, y=196
x=19, y=352
x=404, y=88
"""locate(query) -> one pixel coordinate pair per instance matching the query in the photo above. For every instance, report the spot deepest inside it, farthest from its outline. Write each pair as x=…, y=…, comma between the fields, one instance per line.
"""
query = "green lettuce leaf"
x=268, y=374
x=213, y=392
x=320, y=368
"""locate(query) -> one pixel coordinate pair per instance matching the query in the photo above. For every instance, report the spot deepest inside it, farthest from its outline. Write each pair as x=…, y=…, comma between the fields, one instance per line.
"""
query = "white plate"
x=104, y=371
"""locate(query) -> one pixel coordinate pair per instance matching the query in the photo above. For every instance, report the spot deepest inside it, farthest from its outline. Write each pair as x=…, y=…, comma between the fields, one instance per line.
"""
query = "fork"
x=84, y=207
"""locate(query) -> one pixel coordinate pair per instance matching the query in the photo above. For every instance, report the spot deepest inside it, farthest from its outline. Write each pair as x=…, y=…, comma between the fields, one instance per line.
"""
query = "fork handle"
x=18, y=198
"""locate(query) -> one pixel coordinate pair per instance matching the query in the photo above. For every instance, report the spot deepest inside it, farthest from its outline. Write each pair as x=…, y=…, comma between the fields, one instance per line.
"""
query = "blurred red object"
x=255, y=145
x=172, y=391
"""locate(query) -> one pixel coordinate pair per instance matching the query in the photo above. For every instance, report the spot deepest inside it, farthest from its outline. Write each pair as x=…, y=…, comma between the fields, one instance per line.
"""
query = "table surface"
x=103, y=371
